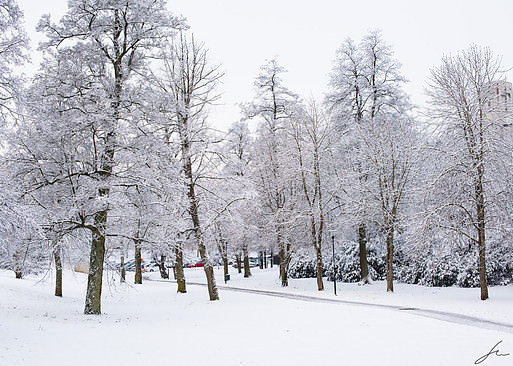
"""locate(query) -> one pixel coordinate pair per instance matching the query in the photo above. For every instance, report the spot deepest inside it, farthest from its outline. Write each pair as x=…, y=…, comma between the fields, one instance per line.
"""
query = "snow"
x=151, y=323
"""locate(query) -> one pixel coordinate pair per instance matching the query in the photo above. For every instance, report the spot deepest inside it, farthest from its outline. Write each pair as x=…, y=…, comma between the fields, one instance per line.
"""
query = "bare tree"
x=273, y=106
x=310, y=128
x=469, y=118
x=188, y=86
x=392, y=148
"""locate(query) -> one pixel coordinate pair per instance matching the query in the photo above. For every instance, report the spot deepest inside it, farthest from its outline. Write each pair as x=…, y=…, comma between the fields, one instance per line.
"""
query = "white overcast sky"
x=304, y=35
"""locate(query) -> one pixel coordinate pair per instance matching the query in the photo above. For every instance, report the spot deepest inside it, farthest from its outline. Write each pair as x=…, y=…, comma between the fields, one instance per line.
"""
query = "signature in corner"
x=494, y=351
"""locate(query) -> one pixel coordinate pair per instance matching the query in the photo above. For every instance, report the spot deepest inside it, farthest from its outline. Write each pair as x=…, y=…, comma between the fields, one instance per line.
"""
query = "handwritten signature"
x=494, y=351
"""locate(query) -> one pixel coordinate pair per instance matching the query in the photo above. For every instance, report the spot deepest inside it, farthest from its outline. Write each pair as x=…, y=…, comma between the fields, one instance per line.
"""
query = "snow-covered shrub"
x=459, y=267
x=303, y=264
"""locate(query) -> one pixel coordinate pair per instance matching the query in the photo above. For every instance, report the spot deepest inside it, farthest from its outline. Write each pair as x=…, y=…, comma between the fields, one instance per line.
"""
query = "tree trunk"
x=138, y=262
x=390, y=259
x=239, y=263
x=272, y=257
x=225, y=268
x=193, y=205
x=180, y=276
x=58, y=269
x=162, y=268
x=18, y=264
x=283, y=259
x=320, y=284
x=209, y=271
x=261, y=259
x=283, y=271
x=362, y=242
x=95, y=277
x=481, y=236
x=247, y=271
x=123, y=270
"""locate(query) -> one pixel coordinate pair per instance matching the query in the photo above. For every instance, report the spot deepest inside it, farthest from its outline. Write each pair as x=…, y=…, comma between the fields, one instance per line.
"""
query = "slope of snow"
x=151, y=323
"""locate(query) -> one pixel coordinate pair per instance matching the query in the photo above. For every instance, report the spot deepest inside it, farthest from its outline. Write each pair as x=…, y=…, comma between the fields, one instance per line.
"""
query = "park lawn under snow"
x=152, y=324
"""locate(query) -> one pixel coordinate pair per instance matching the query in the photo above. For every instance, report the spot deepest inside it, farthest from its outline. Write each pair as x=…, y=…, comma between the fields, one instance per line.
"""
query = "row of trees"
x=110, y=143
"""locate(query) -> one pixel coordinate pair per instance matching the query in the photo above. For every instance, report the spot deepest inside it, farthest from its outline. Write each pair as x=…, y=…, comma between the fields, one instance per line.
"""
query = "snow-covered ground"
x=152, y=324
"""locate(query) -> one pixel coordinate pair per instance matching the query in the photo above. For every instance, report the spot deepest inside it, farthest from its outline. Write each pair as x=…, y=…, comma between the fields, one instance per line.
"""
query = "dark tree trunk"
x=18, y=264
x=480, y=206
x=261, y=259
x=320, y=284
x=247, y=271
x=265, y=259
x=225, y=268
x=123, y=270
x=283, y=270
x=390, y=259
x=95, y=277
x=272, y=257
x=362, y=242
x=58, y=269
x=283, y=253
x=239, y=263
x=180, y=276
x=138, y=262
x=162, y=267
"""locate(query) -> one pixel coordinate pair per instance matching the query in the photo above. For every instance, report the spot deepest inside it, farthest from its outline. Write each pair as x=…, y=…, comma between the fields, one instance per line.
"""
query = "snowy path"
x=429, y=313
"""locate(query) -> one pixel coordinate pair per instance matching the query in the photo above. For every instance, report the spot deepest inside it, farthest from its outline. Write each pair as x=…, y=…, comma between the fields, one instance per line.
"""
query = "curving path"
x=434, y=314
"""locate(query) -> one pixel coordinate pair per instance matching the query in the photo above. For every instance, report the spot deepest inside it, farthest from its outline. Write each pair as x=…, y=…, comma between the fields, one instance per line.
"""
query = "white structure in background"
x=500, y=104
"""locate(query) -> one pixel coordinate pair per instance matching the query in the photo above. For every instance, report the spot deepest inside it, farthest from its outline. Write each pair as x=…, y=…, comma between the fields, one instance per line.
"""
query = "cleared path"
x=433, y=314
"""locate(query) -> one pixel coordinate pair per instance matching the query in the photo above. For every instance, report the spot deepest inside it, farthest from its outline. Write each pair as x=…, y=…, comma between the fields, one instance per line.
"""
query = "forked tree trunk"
x=95, y=277
x=247, y=271
x=180, y=276
x=362, y=243
x=138, y=262
x=58, y=269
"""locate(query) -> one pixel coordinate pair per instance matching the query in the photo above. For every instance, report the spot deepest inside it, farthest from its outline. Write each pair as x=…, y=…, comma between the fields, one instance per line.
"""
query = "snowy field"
x=152, y=324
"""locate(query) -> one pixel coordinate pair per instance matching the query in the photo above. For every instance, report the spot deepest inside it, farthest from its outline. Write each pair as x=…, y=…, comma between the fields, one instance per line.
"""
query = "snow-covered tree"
x=13, y=47
x=472, y=153
x=273, y=105
x=310, y=129
x=119, y=36
x=188, y=86
x=392, y=148
x=365, y=86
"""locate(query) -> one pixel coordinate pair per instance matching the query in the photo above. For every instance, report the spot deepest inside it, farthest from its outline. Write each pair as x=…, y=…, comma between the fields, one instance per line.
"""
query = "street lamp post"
x=334, y=268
